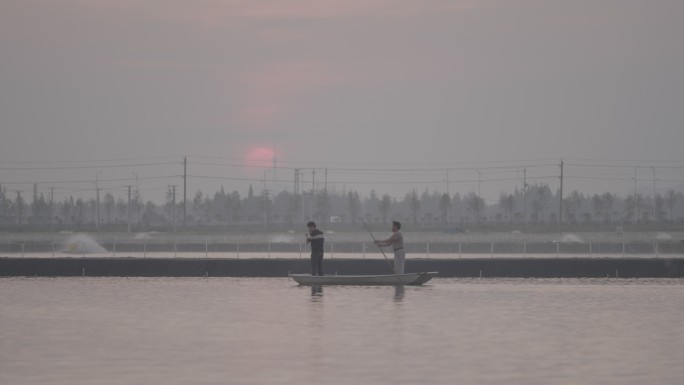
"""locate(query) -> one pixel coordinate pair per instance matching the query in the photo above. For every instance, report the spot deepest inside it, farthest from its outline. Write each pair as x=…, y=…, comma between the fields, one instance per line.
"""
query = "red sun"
x=260, y=157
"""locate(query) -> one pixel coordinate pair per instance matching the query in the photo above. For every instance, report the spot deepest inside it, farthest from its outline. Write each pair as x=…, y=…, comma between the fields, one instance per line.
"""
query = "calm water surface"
x=270, y=331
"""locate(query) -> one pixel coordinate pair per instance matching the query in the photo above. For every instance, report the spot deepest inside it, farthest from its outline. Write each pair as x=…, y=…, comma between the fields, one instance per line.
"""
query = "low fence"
x=145, y=248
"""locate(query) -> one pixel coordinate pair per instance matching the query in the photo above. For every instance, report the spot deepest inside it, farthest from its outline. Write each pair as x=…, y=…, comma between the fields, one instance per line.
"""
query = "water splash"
x=82, y=244
x=663, y=237
x=570, y=238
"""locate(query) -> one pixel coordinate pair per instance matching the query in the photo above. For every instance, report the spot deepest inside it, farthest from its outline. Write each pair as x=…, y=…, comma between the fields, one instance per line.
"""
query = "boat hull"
x=364, y=280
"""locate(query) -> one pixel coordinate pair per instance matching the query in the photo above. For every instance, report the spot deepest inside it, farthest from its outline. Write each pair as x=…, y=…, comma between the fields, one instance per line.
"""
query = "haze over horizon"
x=362, y=88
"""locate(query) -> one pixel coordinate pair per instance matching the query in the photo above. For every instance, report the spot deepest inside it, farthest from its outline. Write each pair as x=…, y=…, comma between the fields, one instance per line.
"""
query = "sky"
x=387, y=95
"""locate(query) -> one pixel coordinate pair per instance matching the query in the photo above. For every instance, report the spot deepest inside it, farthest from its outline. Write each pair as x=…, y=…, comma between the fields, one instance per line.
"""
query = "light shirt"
x=397, y=240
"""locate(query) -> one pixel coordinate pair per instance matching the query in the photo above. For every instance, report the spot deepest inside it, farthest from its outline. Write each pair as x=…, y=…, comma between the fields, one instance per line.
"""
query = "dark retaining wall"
x=490, y=267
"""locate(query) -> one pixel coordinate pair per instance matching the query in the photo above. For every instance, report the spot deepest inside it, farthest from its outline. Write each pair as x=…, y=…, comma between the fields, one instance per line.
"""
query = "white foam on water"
x=571, y=238
x=82, y=244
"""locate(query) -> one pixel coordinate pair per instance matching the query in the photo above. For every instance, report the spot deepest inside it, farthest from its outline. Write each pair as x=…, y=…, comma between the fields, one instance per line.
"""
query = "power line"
x=86, y=167
x=90, y=180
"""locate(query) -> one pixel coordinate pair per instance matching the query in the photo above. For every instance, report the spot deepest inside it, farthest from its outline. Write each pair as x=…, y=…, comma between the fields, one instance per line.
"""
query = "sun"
x=260, y=157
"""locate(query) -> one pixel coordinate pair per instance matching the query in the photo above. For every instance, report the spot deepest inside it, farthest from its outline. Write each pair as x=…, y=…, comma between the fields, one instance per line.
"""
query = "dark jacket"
x=316, y=239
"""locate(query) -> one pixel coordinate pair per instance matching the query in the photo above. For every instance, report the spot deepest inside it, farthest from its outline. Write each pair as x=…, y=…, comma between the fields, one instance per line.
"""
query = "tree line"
x=534, y=204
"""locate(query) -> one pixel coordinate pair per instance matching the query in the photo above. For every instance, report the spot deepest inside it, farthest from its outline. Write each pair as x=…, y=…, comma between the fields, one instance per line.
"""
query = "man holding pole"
x=397, y=243
x=316, y=238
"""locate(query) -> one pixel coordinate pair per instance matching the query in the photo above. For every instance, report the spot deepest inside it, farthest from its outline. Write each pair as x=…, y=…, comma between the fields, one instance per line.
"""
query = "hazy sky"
x=334, y=83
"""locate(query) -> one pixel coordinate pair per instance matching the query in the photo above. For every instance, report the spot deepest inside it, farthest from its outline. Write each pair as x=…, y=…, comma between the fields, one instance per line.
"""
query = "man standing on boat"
x=397, y=243
x=315, y=237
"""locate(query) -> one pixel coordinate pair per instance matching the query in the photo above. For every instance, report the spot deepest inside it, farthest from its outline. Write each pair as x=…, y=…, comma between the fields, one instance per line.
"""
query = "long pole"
x=381, y=250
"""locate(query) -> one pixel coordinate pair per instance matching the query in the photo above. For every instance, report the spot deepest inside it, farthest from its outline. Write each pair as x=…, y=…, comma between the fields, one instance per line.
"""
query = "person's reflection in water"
x=398, y=293
x=316, y=290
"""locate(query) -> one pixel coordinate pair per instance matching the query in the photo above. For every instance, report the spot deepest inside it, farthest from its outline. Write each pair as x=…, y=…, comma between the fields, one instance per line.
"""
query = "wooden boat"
x=366, y=280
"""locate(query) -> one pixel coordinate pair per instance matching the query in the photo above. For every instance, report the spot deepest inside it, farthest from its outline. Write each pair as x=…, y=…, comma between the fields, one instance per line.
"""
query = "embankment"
x=232, y=267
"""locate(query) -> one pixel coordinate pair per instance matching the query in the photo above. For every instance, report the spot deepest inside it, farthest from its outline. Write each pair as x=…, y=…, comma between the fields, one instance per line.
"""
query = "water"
x=270, y=331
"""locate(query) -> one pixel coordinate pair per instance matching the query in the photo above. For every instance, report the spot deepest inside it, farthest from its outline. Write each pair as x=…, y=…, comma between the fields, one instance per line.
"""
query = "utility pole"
x=137, y=199
x=295, y=191
x=326, y=181
x=560, y=199
x=173, y=207
x=185, y=189
x=52, y=209
x=97, y=199
x=129, y=208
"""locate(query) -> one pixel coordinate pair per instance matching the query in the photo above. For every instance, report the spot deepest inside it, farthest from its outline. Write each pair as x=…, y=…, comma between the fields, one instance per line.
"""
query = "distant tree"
x=475, y=205
x=537, y=208
x=541, y=197
x=572, y=204
x=373, y=195
x=294, y=207
x=639, y=204
x=631, y=207
x=384, y=207
x=323, y=206
x=608, y=202
x=137, y=204
x=264, y=206
x=80, y=211
x=92, y=208
x=353, y=205
x=414, y=204
x=109, y=206
x=121, y=209
x=659, y=203
x=197, y=203
x=445, y=207
x=597, y=206
x=236, y=207
x=4, y=203
x=19, y=204
x=671, y=202
x=206, y=207
x=39, y=208
x=67, y=210
x=507, y=203
x=148, y=213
